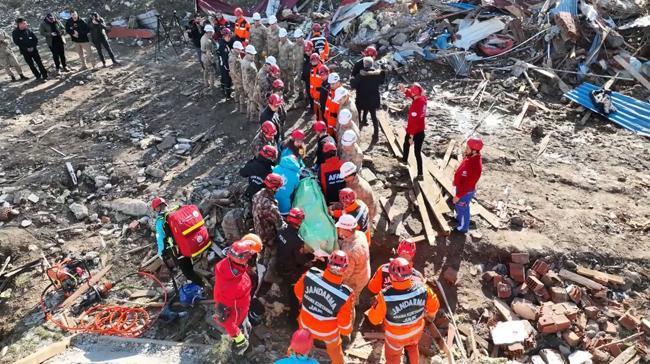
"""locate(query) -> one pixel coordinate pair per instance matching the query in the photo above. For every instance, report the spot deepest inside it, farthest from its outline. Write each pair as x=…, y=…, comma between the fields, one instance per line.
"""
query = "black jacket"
x=97, y=31
x=367, y=85
x=278, y=118
x=358, y=66
x=306, y=67
x=292, y=261
x=256, y=171
x=25, y=39
x=81, y=27
x=317, y=158
x=196, y=32
x=223, y=51
x=324, y=91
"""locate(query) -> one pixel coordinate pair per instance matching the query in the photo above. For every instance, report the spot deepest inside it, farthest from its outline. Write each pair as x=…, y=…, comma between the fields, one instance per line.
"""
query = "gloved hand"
x=240, y=344
x=223, y=312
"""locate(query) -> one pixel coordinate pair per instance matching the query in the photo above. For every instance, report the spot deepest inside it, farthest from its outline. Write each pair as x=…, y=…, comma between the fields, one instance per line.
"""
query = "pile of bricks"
x=570, y=312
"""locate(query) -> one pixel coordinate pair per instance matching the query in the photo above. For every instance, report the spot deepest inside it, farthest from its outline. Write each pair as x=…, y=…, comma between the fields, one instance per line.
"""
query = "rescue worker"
x=278, y=87
x=224, y=46
x=8, y=59
x=286, y=62
x=368, y=100
x=301, y=343
x=289, y=170
x=349, y=173
x=276, y=113
x=403, y=308
x=321, y=45
x=465, y=179
x=78, y=30
x=194, y=30
x=266, y=215
x=327, y=305
x=258, y=38
x=300, y=67
x=345, y=122
x=329, y=173
x=207, y=57
x=322, y=92
x=234, y=65
x=273, y=37
x=295, y=146
x=54, y=33
x=313, y=80
x=249, y=71
x=293, y=257
x=320, y=129
x=371, y=52
x=263, y=81
x=381, y=279
x=349, y=204
x=219, y=23
x=354, y=243
x=242, y=28
x=257, y=168
x=350, y=151
x=165, y=242
x=265, y=136
x=232, y=292
x=27, y=43
x=331, y=112
x=415, y=124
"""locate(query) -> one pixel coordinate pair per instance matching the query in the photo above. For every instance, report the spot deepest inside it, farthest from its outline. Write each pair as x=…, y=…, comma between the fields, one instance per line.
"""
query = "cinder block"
x=520, y=258
x=571, y=338
x=541, y=267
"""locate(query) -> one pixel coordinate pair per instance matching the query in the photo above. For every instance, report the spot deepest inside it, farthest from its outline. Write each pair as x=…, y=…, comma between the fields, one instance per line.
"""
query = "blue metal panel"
x=570, y=6
x=630, y=113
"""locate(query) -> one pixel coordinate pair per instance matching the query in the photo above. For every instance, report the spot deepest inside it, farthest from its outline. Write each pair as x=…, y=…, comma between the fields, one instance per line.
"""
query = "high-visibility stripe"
x=317, y=316
x=193, y=227
x=202, y=249
x=415, y=331
x=405, y=323
x=318, y=333
x=401, y=297
x=349, y=326
x=393, y=347
x=321, y=282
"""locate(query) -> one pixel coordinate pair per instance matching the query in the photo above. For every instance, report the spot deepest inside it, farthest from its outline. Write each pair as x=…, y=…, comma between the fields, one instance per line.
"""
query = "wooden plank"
x=504, y=310
x=590, y=273
x=576, y=278
x=520, y=118
x=390, y=135
x=538, y=104
x=467, y=330
x=448, y=152
x=394, y=221
x=85, y=286
x=22, y=268
x=47, y=352
x=642, y=80
x=544, y=144
x=4, y=266
x=625, y=356
x=479, y=89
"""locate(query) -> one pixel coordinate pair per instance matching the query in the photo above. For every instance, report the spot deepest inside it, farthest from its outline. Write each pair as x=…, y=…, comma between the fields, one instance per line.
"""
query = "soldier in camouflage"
x=297, y=63
x=272, y=37
x=258, y=39
x=285, y=61
x=249, y=72
x=234, y=63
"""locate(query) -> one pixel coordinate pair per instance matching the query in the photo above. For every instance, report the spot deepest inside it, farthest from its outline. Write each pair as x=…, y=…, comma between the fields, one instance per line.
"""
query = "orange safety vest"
x=331, y=113
x=315, y=83
x=242, y=29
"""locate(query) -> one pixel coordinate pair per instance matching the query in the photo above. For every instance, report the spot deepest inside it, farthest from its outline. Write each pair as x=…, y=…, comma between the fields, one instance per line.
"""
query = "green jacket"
x=46, y=31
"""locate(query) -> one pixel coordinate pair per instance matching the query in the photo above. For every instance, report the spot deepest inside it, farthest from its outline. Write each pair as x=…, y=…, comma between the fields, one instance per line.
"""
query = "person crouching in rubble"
x=465, y=179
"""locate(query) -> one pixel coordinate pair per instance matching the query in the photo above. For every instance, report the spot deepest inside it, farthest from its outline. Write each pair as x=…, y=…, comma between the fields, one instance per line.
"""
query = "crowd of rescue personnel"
x=260, y=69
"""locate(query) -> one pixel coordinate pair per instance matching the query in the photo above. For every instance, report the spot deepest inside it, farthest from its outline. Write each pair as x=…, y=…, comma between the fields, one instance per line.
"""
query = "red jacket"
x=234, y=292
x=467, y=175
x=417, y=114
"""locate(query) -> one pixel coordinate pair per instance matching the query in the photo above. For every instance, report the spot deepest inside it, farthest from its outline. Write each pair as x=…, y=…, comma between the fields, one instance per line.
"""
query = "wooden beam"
x=390, y=135
x=576, y=278
x=47, y=352
x=639, y=77
x=520, y=118
x=85, y=286
x=504, y=310
x=448, y=152
x=625, y=356
x=590, y=273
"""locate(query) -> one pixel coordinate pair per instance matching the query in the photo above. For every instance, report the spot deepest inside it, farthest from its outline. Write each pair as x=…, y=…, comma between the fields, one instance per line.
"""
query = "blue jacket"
x=293, y=359
x=289, y=169
x=285, y=152
x=160, y=232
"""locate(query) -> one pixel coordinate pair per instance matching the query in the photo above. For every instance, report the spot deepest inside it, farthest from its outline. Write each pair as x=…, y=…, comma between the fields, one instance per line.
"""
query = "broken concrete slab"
x=509, y=332
x=80, y=211
x=525, y=308
x=127, y=206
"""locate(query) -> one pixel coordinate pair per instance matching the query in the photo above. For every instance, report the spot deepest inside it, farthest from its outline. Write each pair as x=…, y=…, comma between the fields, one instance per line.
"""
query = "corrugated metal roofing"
x=630, y=113
x=570, y=6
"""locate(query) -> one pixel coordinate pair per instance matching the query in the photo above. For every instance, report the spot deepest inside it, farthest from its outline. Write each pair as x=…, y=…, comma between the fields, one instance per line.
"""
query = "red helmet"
x=337, y=262
x=274, y=70
x=273, y=181
x=347, y=196
x=157, y=201
x=239, y=12
x=314, y=58
x=301, y=342
x=323, y=71
x=308, y=46
x=319, y=126
x=298, y=134
x=278, y=84
x=240, y=252
x=269, y=129
x=275, y=100
x=406, y=247
x=225, y=31
x=400, y=270
x=329, y=147
x=296, y=215
x=315, y=28
x=269, y=152
x=414, y=90
x=475, y=144
x=370, y=51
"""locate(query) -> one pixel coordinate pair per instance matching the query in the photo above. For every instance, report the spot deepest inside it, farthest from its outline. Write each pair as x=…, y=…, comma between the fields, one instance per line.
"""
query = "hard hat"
x=275, y=100
x=333, y=78
x=370, y=51
x=225, y=31
x=238, y=45
x=314, y=59
x=339, y=94
x=414, y=90
x=349, y=138
x=282, y=33
x=157, y=201
x=278, y=84
x=269, y=152
x=323, y=71
x=257, y=16
x=347, y=196
x=406, y=247
x=240, y=252
x=238, y=12
x=475, y=144
x=298, y=134
x=400, y=270
x=347, y=222
x=308, y=46
x=270, y=60
x=345, y=115
x=255, y=242
x=319, y=126
x=298, y=33
x=208, y=28
x=329, y=147
x=315, y=27
x=348, y=169
x=296, y=215
x=250, y=49
x=272, y=20
x=337, y=262
x=274, y=70
x=273, y=181
x=301, y=342
x=269, y=128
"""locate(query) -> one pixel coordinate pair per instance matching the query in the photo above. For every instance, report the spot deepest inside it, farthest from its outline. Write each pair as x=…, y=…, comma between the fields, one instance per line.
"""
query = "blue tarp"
x=630, y=113
x=463, y=6
x=570, y=6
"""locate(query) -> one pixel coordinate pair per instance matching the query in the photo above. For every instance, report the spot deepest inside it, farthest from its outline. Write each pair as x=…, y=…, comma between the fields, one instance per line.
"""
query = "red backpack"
x=188, y=229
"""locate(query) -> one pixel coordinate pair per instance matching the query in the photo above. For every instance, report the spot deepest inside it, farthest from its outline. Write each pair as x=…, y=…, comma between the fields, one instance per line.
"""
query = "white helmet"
x=270, y=60
x=272, y=19
x=298, y=33
x=238, y=45
x=208, y=28
x=333, y=78
x=345, y=115
x=339, y=94
x=347, y=222
x=250, y=49
x=349, y=137
x=348, y=169
x=282, y=32
x=257, y=16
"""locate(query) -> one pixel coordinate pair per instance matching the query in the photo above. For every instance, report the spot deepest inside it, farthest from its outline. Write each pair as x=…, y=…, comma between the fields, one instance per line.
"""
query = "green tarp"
x=317, y=230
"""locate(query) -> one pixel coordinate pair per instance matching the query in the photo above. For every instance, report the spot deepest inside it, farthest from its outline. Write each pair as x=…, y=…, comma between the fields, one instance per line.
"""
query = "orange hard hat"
x=301, y=342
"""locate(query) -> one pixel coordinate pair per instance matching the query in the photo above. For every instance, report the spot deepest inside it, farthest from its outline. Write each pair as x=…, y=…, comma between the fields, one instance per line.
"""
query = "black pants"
x=373, y=116
x=418, y=140
x=103, y=43
x=58, y=53
x=226, y=81
x=308, y=95
x=186, y=266
x=34, y=57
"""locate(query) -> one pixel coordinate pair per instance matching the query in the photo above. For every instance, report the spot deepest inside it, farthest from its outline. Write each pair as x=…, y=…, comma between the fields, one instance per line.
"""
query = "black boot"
x=23, y=77
x=14, y=79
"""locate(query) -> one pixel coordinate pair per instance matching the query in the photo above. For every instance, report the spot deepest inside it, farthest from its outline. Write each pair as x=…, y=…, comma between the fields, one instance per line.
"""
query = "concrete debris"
x=127, y=206
x=80, y=211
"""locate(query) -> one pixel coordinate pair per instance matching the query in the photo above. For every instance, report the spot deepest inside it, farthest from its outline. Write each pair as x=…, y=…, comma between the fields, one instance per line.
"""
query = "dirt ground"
x=582, y=201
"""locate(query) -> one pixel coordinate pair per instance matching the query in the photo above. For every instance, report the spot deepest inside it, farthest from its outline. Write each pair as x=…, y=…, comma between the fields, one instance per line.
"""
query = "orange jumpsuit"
x=402, y=308
x=242, y=30
x=315, y=82
x=327, y=309
x=331, y=114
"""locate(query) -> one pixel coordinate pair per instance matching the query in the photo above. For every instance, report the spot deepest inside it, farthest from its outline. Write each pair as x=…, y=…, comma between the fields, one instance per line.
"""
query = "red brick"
x=550, y=324
x=490, y=275
x=534, y=283
x=575, y=293
x=504, y=290
x=520, y=258
x=496, y=280
x=610, y=328
x=629, y=322
x=543, y=294
x=571, y=338
x=541, y=267
x=558, y=294
x=517, y=272
x=568, y=26
x=552, y=279
x=450, y=275
x=591, y=311
x=614, y=349
x=600, y=356
x=515, y=351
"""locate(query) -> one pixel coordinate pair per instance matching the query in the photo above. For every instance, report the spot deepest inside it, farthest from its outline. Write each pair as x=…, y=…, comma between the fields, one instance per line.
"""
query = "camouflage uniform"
x=352, y=154
x=297, y=59
x=234, y=63
x=262, y=87
x=259, y=142
x=207, y=47
x=364, y=193
x=340, y=129
x=272, y=40
x=285, y=62
x=248, y=72
x=258, y=40
x=7, y=58
x=357, y=273
x=266, y=216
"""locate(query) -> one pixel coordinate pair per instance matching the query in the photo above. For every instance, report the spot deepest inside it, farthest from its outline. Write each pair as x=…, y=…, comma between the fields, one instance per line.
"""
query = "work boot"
x=23, y=77
x=14, y=79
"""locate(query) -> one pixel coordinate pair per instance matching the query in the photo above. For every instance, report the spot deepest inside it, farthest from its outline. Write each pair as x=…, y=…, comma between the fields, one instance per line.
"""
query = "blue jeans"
x=462, y=212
